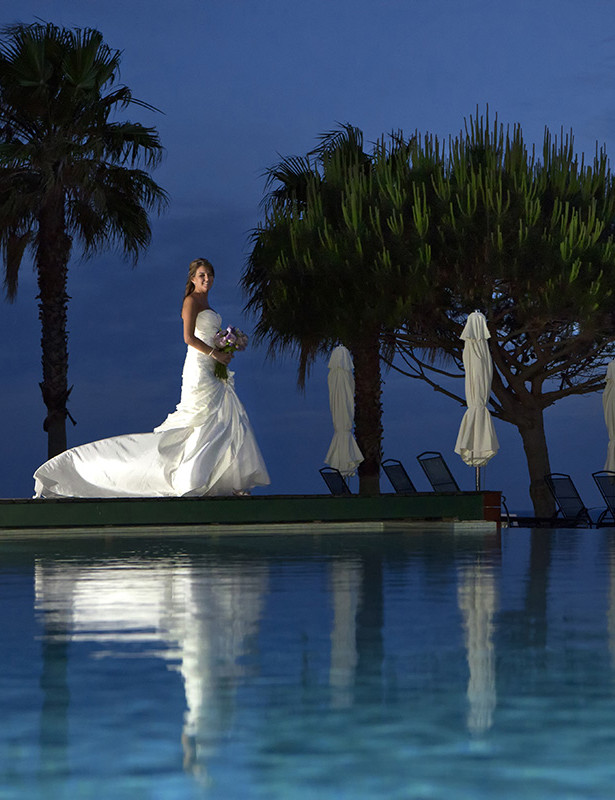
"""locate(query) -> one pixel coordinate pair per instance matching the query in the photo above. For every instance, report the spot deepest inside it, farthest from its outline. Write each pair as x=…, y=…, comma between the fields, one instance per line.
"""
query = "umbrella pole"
x=478, y=479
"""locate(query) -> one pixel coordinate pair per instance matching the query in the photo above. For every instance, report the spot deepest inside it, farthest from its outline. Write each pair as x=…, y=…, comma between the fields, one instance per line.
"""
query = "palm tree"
x=68, y=170
x=333, y=263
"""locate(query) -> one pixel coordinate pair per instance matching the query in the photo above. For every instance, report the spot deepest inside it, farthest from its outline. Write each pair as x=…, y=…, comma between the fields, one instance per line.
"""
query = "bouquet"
x=228, y=340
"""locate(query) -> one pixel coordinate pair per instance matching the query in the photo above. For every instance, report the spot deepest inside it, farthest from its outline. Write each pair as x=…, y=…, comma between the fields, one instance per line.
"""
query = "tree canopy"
x=528, y=241
x=336, y=262
x=389, y=251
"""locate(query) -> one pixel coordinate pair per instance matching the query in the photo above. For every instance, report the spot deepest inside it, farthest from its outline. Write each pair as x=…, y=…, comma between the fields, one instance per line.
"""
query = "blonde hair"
x=194, y=266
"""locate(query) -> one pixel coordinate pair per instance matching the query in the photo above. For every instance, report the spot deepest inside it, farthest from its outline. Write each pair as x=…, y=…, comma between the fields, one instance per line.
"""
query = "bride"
x=205, y=447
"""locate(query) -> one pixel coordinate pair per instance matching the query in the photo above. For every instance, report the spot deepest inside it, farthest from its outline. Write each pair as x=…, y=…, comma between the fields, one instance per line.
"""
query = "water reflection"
x=611, y=604
x=203, y=616
x=478, y=600
x=54, y=711
x=345, y=581
x=216, y=628
x=131, y=601
x=332, y=657
x=206, y=617
x=537, y=590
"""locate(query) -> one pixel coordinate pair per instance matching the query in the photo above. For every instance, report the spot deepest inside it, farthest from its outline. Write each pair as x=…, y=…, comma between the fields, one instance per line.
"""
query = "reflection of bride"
x=205, y=447
x=217, y=634
x=208, y=614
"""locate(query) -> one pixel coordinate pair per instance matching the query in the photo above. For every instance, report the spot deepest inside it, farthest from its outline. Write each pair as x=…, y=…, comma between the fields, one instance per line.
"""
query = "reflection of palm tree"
x=477, y=598
x=54, y=683
x=535, y=617
x=370, y=619
x=345, y=579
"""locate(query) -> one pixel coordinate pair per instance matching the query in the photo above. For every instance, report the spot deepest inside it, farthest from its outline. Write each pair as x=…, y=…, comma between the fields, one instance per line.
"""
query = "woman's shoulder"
x=193, y=305
x=190, y=300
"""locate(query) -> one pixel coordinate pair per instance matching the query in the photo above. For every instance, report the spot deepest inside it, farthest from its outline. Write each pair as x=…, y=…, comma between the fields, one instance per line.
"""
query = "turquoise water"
x=400, y=665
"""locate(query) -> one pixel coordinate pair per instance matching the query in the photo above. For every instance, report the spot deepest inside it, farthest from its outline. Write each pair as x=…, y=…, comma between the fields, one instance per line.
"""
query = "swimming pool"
x=400, y=665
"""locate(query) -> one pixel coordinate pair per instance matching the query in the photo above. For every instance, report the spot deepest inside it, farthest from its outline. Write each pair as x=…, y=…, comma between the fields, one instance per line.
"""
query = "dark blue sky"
x=239, y=83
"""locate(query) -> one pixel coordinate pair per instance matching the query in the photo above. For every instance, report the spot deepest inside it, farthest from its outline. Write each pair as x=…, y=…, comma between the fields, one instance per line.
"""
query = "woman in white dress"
x=205, y=447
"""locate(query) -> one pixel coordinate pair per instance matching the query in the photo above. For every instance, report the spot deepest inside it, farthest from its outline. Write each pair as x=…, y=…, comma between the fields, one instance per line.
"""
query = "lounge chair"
x=437, y=471
x=568, y=500
x=335, y=481
x=396, y=473
x=605, y=481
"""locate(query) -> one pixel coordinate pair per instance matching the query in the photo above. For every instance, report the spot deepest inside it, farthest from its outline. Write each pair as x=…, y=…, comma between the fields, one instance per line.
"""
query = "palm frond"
x=58, y=91
x=13, y=246
x=287, y=180
x=114, y=210
x=346, y=135
x=131, y=142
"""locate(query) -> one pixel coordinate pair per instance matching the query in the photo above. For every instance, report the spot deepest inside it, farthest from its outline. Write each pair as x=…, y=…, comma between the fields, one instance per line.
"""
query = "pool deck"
x=258, y=513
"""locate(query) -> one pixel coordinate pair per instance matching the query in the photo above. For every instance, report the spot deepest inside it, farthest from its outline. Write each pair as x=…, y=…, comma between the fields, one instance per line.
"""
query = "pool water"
x=401, y=665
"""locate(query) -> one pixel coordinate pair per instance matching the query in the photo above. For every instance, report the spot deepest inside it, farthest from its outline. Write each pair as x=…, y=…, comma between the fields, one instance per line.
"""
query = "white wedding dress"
x=205, y=447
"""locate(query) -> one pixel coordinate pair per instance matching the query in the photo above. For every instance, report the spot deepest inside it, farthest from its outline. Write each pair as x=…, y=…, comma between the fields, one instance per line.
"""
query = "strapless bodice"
x=207, y=325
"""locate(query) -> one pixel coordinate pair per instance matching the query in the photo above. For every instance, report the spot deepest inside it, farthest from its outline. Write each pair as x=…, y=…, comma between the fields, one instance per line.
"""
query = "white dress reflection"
x=477, y=598
x=206, y=616
x=216, y=630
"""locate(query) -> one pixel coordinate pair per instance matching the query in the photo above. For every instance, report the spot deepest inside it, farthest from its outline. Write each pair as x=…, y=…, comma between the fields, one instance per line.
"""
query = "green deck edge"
x=259, y=509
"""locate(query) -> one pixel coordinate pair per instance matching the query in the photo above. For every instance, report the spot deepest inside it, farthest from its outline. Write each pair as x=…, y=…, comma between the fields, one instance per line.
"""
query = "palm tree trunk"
x=368, y=412
x=53, y=252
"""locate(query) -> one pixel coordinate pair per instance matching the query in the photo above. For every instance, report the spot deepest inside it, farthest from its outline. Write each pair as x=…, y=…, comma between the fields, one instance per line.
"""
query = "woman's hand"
x=221, y=357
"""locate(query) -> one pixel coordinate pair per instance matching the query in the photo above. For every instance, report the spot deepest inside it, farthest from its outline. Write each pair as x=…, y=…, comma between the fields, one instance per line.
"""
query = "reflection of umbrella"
x=345, y=588
x=343, y=453
x=478, y=599
x=608, y=404
x=477, y=442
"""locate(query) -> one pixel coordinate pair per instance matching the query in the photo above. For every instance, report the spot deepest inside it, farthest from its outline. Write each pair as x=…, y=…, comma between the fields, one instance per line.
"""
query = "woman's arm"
x=190, y=312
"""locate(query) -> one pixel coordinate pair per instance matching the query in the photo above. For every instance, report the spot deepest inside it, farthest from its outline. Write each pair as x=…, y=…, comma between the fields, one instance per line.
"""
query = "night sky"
x=240, y=83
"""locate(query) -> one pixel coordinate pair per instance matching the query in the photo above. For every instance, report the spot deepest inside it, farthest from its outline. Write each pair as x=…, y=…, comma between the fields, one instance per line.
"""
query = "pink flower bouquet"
x=228, y=340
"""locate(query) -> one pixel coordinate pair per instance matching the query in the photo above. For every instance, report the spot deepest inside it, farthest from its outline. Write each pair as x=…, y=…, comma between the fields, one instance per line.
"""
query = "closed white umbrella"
x=477, y=442
x=608, y=404
x=343, y=453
